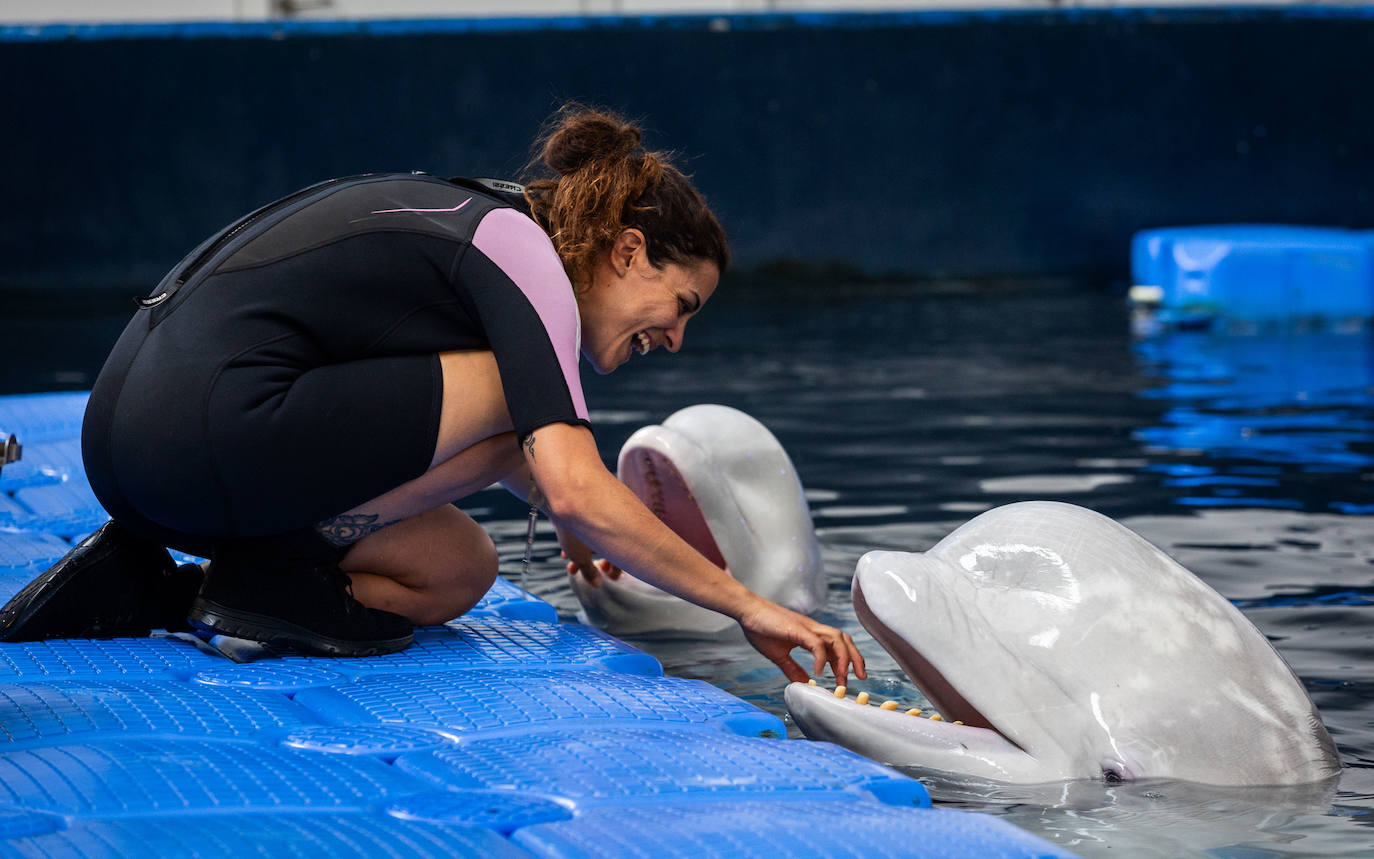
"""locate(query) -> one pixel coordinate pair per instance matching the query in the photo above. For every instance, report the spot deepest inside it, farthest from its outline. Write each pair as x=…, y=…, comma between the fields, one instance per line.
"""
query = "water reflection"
x=1183, y=819
x=1258, y=414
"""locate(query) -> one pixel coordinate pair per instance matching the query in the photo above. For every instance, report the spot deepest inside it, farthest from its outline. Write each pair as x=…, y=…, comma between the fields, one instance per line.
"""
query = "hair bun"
x=603, y=183
x=583, y=136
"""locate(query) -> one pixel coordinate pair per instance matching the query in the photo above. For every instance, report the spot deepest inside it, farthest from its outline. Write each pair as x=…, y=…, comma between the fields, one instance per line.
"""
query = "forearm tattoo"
x=348, y=528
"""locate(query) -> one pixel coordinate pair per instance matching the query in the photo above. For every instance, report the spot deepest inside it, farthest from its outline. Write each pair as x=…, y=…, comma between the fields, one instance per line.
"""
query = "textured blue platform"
x=45, y=463
x=24, y=555
x=803, y=830
x=501, y=733
x=315, y=835
x=43, y=417
x=1256, y=273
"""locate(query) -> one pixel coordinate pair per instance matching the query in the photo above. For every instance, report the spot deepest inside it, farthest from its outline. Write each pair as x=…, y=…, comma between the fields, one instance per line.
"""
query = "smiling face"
x=632, y=307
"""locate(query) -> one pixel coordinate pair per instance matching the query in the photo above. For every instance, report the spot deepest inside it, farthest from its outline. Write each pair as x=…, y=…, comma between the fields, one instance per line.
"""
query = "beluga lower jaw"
x=722, y=482
x=1073, y=649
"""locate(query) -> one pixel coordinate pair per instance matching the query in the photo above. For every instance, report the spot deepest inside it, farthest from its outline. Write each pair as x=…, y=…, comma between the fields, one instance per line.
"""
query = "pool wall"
x=928, y=144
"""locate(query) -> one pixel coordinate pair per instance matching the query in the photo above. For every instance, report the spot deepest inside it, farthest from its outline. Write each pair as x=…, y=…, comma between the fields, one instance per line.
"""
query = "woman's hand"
x=774, y=631
x=579, y=559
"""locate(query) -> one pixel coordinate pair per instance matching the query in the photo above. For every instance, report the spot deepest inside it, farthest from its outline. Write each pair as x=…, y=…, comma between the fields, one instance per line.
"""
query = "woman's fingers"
x=860, y=670
x=828, y=652
x=776, y=631
x=838, y=649
x=609, y=570
x=791, y=669
x=594, y=570
x=588, y=572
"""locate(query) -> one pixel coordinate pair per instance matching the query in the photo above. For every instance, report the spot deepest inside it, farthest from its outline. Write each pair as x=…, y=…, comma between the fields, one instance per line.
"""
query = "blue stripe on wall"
x=717, y=23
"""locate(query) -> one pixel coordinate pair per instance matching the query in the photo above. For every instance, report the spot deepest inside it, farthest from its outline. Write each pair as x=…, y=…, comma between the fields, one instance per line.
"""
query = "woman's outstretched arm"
x=581, y=495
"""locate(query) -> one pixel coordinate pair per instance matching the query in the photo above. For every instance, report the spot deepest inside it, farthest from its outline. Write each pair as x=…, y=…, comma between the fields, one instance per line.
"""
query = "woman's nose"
x=672, y=337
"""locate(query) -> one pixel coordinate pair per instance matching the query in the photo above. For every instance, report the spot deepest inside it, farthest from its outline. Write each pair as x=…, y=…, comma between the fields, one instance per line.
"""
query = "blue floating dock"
x=1254, y=273
x=501, y=733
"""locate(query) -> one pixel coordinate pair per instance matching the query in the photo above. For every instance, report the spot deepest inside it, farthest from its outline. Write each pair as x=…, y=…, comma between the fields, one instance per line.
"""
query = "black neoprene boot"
x=111, y=584
x=288, y=590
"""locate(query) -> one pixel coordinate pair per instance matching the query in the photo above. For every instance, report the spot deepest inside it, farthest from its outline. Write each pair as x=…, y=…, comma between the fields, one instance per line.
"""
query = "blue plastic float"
x=1253, y=273
x=502, y=733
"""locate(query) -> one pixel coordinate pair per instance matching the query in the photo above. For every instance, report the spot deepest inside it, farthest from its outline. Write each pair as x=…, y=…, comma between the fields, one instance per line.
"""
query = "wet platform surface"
x=502, y=733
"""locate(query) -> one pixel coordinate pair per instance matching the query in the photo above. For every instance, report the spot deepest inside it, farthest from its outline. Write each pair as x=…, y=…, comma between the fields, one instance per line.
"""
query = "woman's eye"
x=682, y=307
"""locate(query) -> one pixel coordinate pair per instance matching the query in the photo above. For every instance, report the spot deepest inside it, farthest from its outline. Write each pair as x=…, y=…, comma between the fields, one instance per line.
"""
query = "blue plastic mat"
x=43, y=464
x=804, y=830
x=111, y=659
x=635, y=765
x=501, y=733
x=315, y=835
x=62, y=509
x=468, y=703
x=23, y=556
x=43, y=417
x=87, y=711
x=485, y=643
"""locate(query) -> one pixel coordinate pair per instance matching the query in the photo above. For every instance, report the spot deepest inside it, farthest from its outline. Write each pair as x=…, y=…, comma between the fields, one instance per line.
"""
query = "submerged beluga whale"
x=721, y=480
x=1070, y=648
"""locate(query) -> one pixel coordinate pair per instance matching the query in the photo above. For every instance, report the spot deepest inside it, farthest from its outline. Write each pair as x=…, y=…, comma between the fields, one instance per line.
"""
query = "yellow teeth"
x=863, y=700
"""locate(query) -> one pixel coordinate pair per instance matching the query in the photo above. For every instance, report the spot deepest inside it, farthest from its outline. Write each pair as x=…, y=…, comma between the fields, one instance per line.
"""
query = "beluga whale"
x=723, y=483
x=1057, y=644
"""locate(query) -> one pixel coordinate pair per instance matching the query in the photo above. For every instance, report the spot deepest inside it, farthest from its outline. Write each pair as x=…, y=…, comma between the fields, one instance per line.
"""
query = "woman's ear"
x=627, y=244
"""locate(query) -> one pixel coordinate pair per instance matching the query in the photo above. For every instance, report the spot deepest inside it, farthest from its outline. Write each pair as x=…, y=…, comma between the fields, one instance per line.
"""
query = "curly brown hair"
x=605, y=183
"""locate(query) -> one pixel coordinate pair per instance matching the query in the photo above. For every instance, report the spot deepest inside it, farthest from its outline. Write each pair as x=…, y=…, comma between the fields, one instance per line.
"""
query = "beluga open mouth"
x=1058, y=644
x=723, y=483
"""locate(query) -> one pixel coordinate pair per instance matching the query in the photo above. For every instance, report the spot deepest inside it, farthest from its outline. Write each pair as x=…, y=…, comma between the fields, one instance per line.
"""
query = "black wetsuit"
x=287, y=369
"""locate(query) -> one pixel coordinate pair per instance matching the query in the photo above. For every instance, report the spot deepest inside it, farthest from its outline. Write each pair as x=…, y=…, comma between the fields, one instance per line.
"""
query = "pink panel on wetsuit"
x=521, y=249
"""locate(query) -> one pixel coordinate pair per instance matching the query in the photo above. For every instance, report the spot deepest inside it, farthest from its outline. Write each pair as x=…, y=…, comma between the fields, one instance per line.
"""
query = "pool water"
x=908, y=409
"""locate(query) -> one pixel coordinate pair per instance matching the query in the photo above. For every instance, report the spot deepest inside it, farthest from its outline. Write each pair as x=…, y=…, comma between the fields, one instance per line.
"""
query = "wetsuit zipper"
x=243, y=224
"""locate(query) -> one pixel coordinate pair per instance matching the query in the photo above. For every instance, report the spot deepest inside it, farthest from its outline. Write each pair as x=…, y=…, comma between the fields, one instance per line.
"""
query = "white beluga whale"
x=722, y=482
x=1070, y=648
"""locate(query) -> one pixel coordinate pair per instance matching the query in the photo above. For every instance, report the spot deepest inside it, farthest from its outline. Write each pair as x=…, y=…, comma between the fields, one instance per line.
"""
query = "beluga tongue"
x=1072, y=649
x=723, y=483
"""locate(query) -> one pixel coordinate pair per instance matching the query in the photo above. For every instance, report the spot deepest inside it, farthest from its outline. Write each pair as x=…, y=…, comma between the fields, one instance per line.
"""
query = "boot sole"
x=235, y=623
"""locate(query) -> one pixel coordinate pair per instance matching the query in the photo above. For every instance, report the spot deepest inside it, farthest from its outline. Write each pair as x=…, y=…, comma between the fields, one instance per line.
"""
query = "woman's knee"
x=473, y=559
x=438, y=563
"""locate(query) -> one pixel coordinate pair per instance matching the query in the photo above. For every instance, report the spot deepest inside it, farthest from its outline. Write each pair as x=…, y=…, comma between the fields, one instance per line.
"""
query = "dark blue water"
x=1248, y=456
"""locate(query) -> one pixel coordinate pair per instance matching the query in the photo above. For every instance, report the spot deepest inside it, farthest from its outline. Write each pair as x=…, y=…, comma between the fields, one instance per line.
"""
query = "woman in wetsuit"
x=303, y=396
